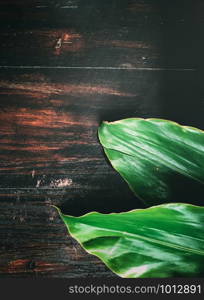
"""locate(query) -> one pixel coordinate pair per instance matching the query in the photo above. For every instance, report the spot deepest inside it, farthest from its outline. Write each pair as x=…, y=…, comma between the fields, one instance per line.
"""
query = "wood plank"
x=49, y=124
x=34, y=243
x=48, y=117
x=110, y=33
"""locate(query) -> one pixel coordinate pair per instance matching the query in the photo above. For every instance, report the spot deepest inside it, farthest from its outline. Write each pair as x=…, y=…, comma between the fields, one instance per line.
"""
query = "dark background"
x=64, y=67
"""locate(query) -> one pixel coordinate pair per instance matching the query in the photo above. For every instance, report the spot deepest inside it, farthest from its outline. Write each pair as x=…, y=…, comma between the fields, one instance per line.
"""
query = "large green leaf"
x=161, y=241
x=159, y=159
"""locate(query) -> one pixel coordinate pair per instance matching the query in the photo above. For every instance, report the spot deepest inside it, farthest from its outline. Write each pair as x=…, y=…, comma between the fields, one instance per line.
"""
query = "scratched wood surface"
x=116, y=33
x=64, y=67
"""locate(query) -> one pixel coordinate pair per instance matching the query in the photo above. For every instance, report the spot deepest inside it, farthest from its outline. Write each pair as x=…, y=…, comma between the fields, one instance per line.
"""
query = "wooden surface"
x=64, y=67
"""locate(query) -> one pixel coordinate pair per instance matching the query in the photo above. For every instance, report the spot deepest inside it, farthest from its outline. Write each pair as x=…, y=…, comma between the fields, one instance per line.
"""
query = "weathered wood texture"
x=49, y=150
x=94, y=33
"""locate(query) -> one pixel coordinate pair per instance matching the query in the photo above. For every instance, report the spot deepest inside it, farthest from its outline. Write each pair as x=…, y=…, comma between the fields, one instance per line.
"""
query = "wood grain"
x=34, y=243
x=50, y=154
x=130, y=34
x=49, y=120
x=64, y=67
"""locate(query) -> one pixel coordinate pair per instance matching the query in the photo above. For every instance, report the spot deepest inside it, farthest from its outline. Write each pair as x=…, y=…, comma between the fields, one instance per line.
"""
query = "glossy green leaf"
x=159, y=159
x=161, y=241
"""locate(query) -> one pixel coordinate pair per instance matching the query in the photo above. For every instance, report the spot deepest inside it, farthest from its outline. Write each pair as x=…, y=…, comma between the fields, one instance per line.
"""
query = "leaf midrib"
x=133, y=235
x=164, y=162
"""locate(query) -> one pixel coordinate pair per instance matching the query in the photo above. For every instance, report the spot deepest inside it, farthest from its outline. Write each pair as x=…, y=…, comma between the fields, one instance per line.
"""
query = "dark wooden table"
x=64, y=67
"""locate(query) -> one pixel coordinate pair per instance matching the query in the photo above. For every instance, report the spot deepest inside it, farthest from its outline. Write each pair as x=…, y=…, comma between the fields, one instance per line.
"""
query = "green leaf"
x=161, y=241
x=159, y=159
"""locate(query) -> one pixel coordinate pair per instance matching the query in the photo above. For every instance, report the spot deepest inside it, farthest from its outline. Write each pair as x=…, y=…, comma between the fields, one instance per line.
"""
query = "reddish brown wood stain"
x=126, y=44
x=141, y=6
x=18, y=265
x=43, y=118
x=42, y=90
x=69, y=42
x=25, y=265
